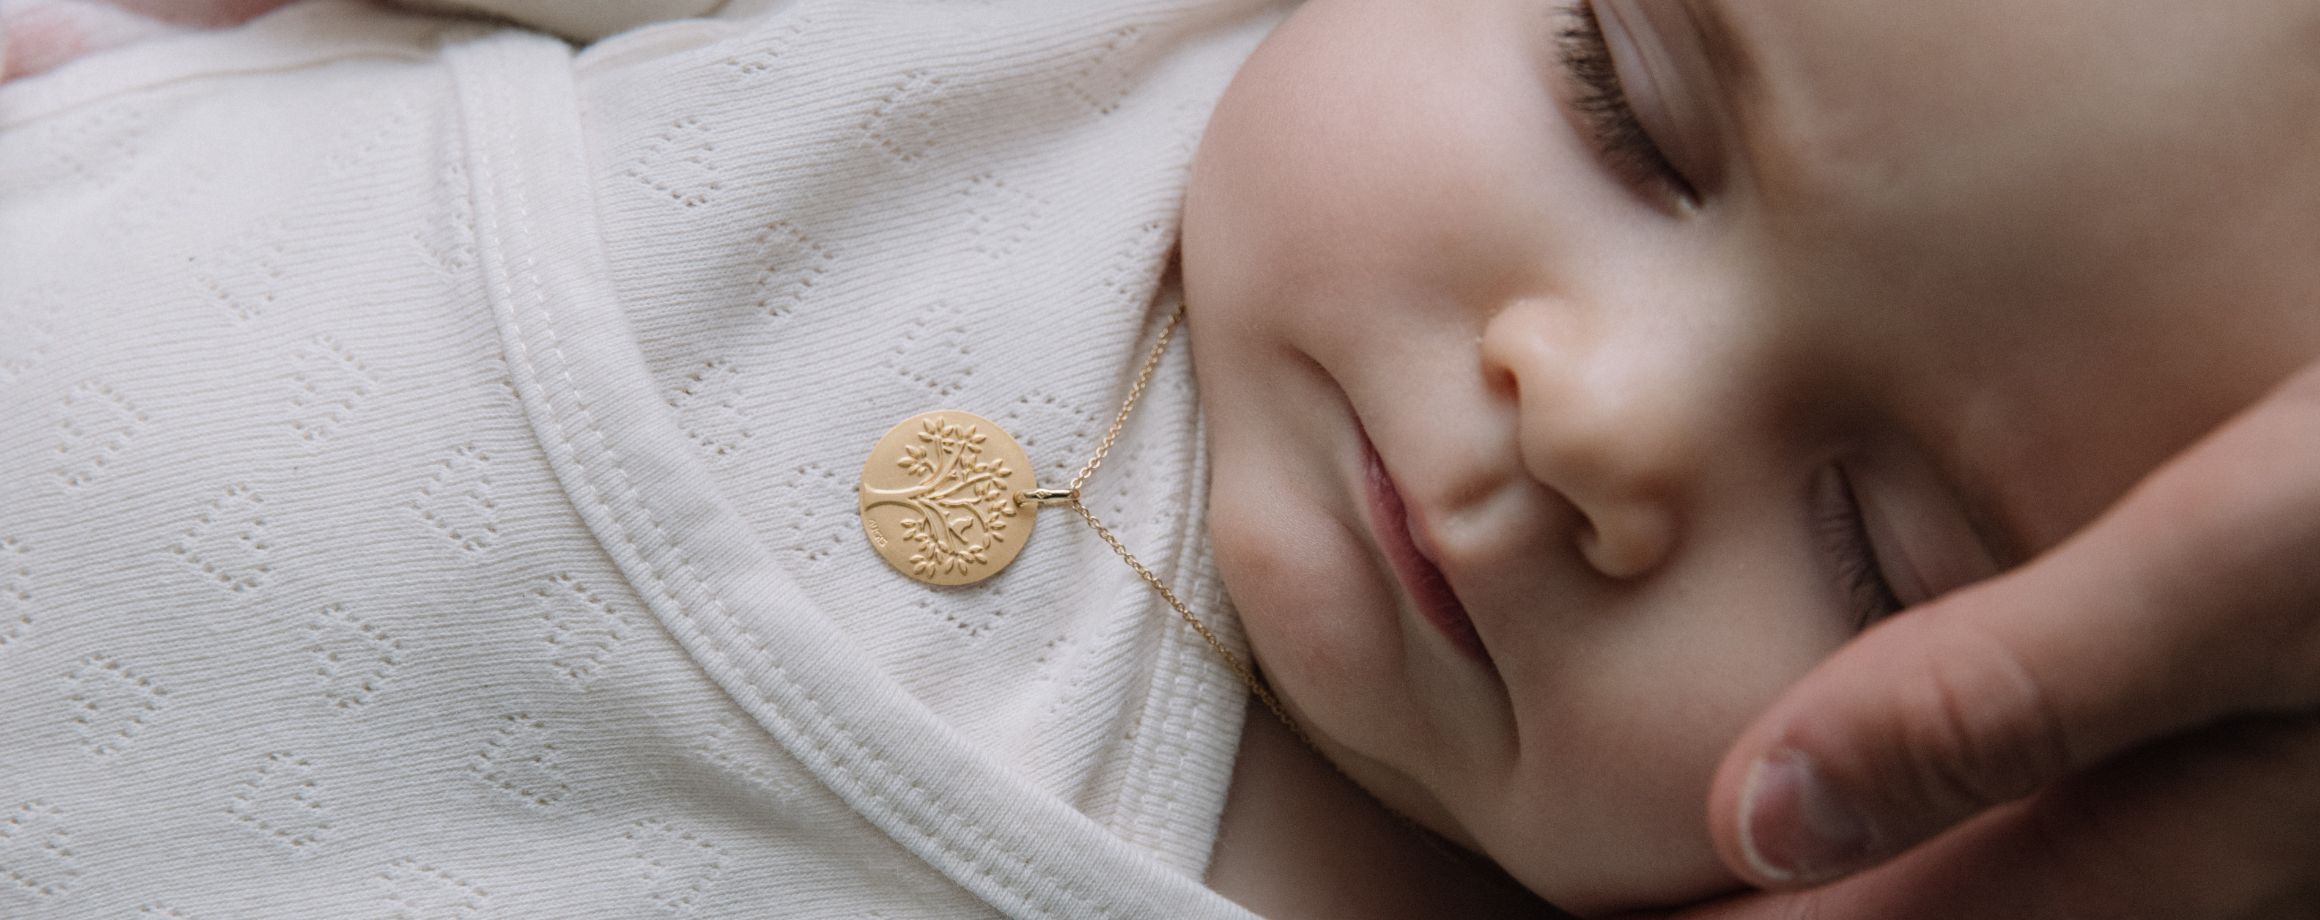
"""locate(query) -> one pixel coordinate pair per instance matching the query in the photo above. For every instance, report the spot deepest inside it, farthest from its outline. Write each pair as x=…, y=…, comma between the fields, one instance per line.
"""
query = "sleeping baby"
x=429, y=453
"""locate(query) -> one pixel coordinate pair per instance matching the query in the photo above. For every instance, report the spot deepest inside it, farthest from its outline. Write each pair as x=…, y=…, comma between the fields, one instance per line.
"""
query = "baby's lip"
x=1400, y=537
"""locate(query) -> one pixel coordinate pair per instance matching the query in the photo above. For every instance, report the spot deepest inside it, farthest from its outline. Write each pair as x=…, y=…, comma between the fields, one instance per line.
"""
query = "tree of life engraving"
x=960, y=501
x=938, y=498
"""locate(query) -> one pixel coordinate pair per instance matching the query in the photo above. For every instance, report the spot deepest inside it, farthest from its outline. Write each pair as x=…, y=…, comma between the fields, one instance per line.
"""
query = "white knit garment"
x=426, y=461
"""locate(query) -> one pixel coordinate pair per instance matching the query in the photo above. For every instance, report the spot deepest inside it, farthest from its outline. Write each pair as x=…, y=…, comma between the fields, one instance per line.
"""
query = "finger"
x=2192, y=600
x=2218, y=825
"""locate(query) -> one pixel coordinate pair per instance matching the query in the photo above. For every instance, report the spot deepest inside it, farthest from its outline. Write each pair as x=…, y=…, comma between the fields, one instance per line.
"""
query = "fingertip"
x=1748, y=819
x=1913, y=727
x=1733, y=803
x=1796, y=802
x=1795, y=828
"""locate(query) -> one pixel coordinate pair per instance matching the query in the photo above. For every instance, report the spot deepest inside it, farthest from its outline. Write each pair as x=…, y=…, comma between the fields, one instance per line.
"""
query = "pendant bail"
x=1047, y=497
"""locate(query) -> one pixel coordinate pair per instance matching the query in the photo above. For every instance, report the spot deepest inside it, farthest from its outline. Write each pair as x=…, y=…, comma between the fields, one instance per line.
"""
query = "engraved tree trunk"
x=960, y=504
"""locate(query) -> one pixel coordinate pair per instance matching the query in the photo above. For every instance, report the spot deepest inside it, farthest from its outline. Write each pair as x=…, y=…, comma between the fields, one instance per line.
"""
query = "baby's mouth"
x=1421, y=579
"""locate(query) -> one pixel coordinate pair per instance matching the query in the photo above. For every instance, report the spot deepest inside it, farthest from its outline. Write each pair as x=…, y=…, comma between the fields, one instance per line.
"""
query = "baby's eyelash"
x=1602, y=103
x=1845, y=534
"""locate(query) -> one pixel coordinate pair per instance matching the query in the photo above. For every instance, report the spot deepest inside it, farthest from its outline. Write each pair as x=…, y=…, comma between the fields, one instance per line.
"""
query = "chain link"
x=1070, y=497
x=1135, y=392
x=1239, y=668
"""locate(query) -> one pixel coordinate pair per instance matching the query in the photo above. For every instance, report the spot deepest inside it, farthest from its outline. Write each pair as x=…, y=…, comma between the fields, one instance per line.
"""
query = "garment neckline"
x=655, y=510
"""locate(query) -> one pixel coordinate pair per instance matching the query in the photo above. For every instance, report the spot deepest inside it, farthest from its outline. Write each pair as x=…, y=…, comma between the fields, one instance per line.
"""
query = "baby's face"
x=1556, y=432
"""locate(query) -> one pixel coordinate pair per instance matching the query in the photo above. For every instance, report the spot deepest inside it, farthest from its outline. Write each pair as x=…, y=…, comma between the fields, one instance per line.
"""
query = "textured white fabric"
x=582, y=20
x=425, y=464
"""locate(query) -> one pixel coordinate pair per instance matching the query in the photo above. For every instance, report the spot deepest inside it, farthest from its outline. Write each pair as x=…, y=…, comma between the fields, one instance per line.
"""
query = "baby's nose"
x=1610, y=413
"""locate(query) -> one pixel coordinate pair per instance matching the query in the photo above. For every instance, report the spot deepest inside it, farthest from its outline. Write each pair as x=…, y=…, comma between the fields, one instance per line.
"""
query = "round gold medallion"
x=938, y=498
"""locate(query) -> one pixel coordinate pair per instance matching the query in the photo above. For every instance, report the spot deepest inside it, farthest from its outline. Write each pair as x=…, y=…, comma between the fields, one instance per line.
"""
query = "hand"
x=2127, y=727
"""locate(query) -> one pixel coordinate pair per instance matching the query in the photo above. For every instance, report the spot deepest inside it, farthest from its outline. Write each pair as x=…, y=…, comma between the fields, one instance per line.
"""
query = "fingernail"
x=1792, y=828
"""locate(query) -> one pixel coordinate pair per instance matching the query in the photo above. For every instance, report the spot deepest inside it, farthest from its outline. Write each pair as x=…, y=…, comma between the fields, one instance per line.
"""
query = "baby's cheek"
x=1618, y=819
x=1634, y=707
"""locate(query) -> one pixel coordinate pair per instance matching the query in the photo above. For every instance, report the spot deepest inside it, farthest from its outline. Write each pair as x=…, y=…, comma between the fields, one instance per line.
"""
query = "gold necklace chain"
x=943, y=498
x=1070, y=497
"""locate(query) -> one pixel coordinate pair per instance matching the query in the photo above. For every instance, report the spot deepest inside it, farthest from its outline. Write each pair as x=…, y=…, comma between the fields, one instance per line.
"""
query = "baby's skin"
x=1580, y=375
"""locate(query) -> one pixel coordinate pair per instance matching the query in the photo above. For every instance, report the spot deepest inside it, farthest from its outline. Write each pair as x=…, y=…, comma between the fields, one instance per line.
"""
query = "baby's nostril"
x=1626, y=542
x=1502, y=382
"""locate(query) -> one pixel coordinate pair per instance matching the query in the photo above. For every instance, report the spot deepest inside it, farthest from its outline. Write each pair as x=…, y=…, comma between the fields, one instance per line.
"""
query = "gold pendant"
x=939, y=498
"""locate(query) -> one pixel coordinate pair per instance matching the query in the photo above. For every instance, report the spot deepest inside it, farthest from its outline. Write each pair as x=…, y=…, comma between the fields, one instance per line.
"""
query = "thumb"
x=2192, y=600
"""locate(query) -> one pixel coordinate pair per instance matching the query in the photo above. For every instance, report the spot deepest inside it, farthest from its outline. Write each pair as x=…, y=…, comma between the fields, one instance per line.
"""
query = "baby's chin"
x=1644, y=863
x=1592, y=846
x=1648, y=856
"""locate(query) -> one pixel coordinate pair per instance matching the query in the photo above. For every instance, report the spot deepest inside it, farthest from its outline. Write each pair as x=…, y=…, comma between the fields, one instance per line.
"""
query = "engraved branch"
x=960, y=504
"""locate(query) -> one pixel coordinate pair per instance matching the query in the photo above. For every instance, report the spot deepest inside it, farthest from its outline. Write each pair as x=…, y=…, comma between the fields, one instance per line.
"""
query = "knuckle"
x=1988, y=733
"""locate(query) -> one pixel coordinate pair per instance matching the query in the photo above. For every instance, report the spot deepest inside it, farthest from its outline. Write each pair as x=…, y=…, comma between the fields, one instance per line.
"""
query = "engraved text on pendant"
x=938, y=498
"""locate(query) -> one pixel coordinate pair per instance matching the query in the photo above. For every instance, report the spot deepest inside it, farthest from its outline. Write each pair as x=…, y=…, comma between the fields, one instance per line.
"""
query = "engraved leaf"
x=959, y=507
